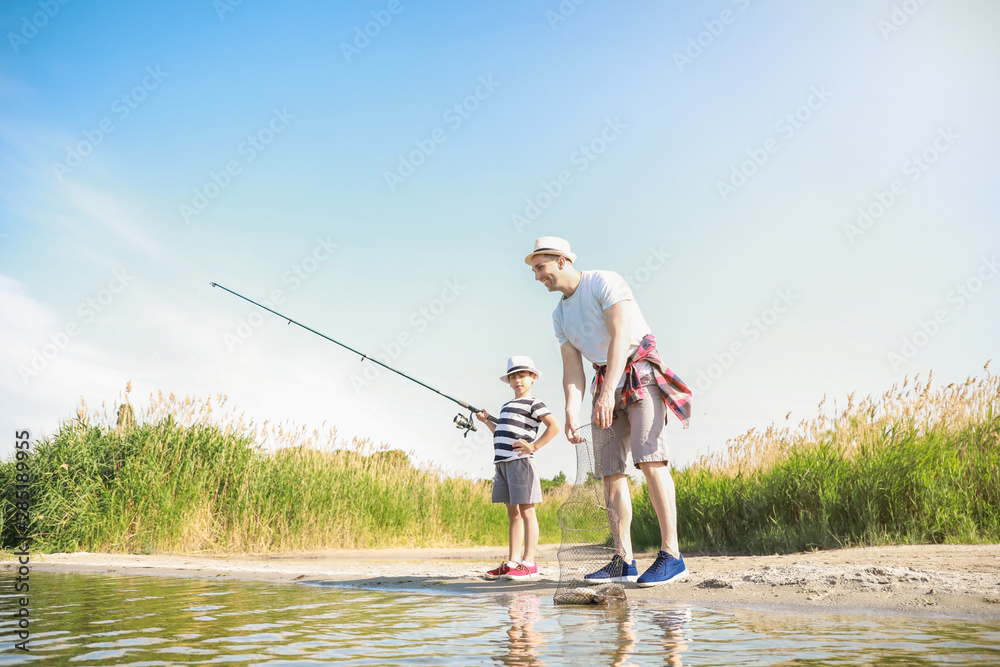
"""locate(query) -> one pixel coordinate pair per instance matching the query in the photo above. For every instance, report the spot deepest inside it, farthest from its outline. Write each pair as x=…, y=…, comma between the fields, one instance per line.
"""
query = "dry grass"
x=188, y=475
x=914, y=407
x=918, y=464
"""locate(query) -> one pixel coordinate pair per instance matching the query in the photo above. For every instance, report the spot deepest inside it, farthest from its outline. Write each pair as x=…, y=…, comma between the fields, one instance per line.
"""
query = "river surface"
x=110, y=620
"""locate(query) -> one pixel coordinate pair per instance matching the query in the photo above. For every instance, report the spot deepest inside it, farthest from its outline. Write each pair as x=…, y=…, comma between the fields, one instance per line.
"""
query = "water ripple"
x=160, y=621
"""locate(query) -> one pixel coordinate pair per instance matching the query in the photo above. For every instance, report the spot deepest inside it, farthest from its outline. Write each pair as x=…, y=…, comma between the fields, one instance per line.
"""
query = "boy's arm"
x=551, y=430
x=574, y=381
x=484, y=417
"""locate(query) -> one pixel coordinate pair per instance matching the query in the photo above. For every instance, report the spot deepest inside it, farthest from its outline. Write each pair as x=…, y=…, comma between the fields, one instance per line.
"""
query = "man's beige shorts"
x=639, y=428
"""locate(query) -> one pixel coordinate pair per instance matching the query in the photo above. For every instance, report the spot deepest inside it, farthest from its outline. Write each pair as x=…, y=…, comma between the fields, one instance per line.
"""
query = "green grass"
x=168, y=486
x=921, y=468
x=915, y=467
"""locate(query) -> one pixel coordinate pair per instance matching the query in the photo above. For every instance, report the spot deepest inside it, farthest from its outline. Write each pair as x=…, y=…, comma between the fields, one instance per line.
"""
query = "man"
x=598, y=318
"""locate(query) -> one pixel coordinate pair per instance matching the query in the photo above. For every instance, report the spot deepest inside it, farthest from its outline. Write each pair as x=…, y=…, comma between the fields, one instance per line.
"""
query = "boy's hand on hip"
x=524, y=447
x=603, y=408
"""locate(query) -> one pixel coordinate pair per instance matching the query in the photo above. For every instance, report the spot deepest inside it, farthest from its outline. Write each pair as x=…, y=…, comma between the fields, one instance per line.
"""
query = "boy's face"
x=521, y=380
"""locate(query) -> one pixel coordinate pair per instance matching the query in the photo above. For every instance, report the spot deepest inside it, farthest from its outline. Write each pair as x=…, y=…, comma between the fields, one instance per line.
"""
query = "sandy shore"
x=942, y=580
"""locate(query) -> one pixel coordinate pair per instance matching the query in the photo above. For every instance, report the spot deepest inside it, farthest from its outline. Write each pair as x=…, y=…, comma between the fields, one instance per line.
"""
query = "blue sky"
x=803, y=196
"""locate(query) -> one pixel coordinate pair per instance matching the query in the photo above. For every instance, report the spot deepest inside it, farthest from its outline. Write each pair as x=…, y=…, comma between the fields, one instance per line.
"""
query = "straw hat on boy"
x=520, y=363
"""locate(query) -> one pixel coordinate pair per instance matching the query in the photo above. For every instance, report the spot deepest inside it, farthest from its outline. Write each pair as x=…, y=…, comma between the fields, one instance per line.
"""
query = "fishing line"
x=461, y=421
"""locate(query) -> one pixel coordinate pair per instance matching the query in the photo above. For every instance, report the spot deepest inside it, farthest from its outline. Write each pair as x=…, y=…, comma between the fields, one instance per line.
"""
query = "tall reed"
x=185, y=478
x=918, y=464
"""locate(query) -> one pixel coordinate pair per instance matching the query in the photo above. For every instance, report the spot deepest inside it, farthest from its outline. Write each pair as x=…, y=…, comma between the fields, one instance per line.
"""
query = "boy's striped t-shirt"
x=519, y=420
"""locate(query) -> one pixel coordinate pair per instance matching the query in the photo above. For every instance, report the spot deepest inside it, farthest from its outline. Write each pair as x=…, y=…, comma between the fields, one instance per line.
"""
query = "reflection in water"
x=670, y=621
x=524, y=642
x=109, y=620
x=627, y=638
x=623, y=634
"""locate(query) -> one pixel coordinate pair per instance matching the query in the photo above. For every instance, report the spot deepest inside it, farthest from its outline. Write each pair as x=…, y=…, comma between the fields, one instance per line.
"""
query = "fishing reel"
x=465, y=423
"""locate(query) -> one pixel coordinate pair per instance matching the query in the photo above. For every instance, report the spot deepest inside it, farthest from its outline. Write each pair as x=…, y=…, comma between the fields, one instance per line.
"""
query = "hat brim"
x=568, y=255
x=506, y=378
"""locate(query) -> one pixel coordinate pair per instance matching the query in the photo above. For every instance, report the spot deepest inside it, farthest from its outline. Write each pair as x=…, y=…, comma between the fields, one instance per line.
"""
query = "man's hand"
x=571, y=430
x=603, y=408
x=483, y=416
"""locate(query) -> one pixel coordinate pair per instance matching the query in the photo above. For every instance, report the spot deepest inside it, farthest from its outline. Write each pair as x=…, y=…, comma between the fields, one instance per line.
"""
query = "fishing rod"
x=461, y=421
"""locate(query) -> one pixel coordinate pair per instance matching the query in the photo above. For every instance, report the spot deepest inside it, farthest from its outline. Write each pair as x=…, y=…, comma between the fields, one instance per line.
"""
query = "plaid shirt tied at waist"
x=675, y=393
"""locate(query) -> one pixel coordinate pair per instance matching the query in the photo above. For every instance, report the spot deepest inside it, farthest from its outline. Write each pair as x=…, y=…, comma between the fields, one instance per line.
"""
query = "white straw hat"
x=551, y=245
x=515, y=364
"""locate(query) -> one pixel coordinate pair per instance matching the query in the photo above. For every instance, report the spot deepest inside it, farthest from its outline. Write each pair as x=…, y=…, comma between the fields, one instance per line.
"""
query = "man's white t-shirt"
x=579, y=319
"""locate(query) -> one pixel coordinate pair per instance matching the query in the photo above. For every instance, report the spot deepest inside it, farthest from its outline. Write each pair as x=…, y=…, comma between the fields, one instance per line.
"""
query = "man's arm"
x=616, y=319
x=574, y=381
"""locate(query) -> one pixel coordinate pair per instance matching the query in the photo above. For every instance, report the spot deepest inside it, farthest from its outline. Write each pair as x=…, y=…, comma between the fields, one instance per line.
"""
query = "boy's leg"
x=530, y=521
x=515, y=532
x=620, y=500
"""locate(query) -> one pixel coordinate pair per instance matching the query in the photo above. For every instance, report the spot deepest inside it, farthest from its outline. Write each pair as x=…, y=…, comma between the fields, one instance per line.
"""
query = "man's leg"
x=649, y=451
x=610, y=458
x=620, y=500
x=662, y=495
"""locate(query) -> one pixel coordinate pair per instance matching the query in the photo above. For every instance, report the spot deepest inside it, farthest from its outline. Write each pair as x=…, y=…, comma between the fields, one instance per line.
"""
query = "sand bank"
x=942, y=580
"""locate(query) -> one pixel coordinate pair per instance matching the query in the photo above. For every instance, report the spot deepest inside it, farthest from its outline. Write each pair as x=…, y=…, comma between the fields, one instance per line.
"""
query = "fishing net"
x=588, y=523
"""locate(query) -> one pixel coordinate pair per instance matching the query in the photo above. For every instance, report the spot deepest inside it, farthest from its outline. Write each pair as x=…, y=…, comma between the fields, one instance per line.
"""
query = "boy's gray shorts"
x=640, y=428
x=516, y=482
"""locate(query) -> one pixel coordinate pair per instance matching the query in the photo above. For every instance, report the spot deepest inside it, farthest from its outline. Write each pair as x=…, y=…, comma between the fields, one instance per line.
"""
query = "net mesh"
x=587, y=524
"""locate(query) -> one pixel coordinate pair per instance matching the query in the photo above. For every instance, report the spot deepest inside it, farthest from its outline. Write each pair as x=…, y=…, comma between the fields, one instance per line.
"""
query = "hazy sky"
x=802, y=195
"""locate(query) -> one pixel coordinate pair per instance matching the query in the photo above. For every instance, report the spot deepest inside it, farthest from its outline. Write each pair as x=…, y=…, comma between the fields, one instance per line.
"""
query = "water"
x=108, y=620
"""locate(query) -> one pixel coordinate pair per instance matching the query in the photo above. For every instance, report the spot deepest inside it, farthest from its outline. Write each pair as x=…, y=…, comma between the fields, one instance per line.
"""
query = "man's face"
x=546, y=270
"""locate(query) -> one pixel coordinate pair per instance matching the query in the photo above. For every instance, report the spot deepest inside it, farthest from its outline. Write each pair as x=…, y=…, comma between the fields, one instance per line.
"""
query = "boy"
x=516, y=483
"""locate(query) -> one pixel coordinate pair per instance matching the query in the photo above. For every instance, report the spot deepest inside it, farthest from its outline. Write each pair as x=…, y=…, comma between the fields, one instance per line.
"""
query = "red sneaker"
x=498, y=572
x=522, y=571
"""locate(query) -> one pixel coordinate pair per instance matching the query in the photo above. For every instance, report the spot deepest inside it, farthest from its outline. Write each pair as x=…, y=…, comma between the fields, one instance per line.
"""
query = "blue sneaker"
x=664, y=569
x=616, y=570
